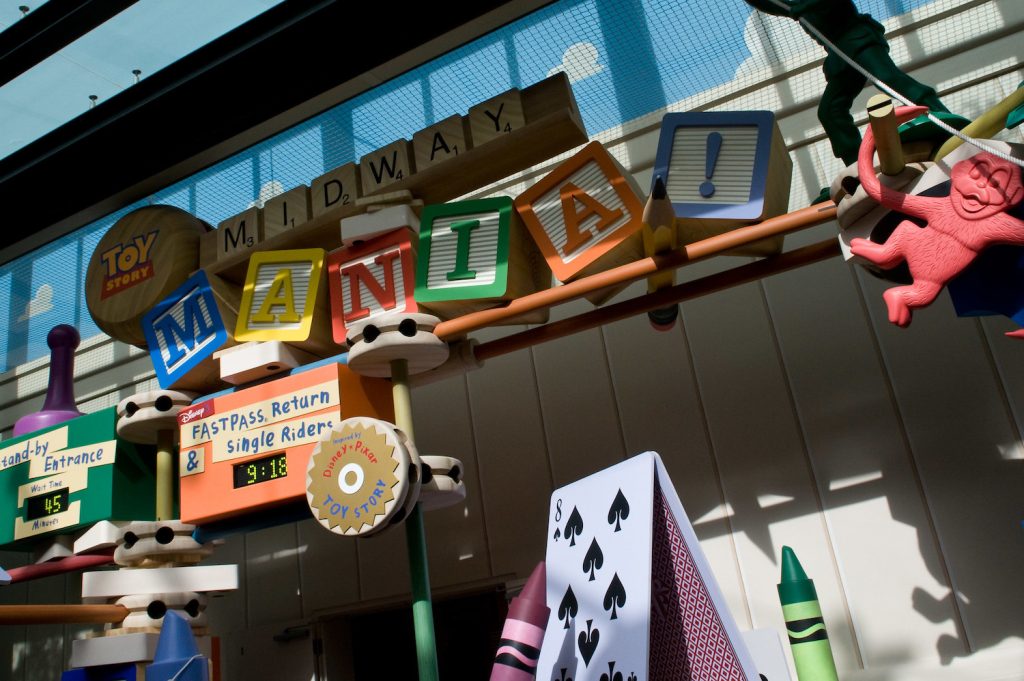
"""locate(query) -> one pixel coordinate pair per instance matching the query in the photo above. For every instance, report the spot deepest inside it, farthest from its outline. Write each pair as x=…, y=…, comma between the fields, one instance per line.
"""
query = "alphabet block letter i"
x=474, y=255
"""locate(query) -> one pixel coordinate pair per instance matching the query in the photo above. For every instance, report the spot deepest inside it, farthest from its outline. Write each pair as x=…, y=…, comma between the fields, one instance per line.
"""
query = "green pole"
x=808, y=640
x=415, y=538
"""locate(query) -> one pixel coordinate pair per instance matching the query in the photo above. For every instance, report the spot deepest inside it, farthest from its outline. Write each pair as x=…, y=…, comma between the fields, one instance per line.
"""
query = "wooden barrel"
x=145, y=256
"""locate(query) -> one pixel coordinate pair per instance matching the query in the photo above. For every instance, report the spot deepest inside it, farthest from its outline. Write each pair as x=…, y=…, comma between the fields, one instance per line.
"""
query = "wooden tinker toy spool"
x=151, y=418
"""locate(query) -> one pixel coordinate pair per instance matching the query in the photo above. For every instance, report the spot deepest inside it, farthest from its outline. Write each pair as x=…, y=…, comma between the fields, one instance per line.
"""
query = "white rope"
x=185, y=666
x=895, y=95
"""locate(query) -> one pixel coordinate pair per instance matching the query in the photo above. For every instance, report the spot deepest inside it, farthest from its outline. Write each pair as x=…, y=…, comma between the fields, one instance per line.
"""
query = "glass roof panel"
x=146, y=37
x=626, y=59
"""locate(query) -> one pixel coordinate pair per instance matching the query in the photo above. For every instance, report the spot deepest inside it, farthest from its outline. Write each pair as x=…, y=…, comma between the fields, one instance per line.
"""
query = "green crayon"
x=808, y=639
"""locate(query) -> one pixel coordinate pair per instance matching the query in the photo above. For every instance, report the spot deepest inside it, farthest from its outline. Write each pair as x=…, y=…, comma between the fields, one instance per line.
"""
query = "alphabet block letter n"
x=375, y=277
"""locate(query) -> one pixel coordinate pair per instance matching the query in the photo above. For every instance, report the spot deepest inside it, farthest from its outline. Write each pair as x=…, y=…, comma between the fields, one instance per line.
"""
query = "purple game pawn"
x=59, y=405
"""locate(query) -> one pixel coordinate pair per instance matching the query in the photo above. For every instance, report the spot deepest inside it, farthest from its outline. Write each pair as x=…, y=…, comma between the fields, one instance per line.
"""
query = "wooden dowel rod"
x=62, y=614
x=987, y=124
x=59, y=567
x=626, y=274
x=882, y=118
x=822, y=250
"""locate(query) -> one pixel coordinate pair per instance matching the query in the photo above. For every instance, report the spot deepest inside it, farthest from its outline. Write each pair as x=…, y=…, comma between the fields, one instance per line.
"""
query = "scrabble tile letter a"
x=583, y=214
x=280, y=295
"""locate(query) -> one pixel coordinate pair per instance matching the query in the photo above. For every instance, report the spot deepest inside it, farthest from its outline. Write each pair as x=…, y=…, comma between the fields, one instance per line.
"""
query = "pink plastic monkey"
x=960, y=225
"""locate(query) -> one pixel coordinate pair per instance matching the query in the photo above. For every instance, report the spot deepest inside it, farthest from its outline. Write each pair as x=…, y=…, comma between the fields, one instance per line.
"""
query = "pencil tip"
x=658, y=192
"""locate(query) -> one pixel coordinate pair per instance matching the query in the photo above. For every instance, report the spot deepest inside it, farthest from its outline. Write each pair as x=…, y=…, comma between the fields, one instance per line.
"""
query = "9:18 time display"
x=260, y=470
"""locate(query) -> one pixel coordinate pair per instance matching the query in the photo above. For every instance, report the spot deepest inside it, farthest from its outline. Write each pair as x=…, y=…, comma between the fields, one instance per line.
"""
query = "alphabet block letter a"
x=585, y=216
x=280, y=295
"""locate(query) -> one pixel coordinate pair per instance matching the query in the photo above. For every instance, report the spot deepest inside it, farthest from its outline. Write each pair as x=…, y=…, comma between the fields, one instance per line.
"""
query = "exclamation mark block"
x=474, y=255
x=280, y=298
x=586, y=216
x=372, y=278
x=724, y=170
x=714, y=145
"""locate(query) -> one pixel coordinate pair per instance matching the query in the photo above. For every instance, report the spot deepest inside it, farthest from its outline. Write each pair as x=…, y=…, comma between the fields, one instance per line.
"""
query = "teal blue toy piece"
x=109, y=672
x=59, y=479
x=924, y=128
x=1016, y=116
x=177, y=656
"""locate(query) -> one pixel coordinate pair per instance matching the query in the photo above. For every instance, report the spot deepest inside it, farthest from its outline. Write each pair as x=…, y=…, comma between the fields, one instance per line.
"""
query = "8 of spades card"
x=599, y=576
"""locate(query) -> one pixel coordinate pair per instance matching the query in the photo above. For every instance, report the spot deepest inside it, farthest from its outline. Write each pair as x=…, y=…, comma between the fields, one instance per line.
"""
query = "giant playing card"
x=631, y=596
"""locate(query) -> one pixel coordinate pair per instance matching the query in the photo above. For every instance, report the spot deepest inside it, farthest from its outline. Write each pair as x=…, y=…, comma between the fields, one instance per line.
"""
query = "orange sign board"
x=248, y=449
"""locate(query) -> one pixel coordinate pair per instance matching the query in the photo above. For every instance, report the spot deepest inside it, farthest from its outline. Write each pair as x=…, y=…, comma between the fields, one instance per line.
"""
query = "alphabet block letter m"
x=183, y=330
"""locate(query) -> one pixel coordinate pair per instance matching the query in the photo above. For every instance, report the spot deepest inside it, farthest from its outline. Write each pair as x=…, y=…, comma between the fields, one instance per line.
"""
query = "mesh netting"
x=626, y=61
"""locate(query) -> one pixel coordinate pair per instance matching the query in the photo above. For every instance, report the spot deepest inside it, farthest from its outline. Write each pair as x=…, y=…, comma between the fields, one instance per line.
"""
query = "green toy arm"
x=768, y=7
x=797, y=8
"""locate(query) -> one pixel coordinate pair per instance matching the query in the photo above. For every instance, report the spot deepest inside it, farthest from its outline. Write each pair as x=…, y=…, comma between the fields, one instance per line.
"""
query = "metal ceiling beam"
x=175, y=122
x=49, y=28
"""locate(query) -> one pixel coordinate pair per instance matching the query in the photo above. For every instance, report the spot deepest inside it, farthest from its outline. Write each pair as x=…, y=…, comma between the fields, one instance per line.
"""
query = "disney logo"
x=197, y=412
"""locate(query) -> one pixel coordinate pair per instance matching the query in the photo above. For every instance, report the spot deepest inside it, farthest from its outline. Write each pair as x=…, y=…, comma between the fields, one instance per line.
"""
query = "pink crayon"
x=523, y=633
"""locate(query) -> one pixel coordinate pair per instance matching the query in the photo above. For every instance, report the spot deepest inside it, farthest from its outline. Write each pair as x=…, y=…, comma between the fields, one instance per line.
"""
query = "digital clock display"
x=44, y=505
x=261, y=470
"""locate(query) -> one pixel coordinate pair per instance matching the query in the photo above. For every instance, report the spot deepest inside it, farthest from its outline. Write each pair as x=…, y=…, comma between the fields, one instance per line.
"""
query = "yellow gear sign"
x=357, y=478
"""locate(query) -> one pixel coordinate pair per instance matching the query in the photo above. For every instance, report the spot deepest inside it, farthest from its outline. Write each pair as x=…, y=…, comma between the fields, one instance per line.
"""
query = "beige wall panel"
x=770, y=495
x=958, y=426
x=657, y=397
x=328, y=569
x=272, y=576
x=254, y=654
x=456, y=536
x=515, y=472
x=1009, y=363
x=581, y=420
x=44, y=649
x=229, y=612
x=12, y=639
x=877, y=516
x=456, y=544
